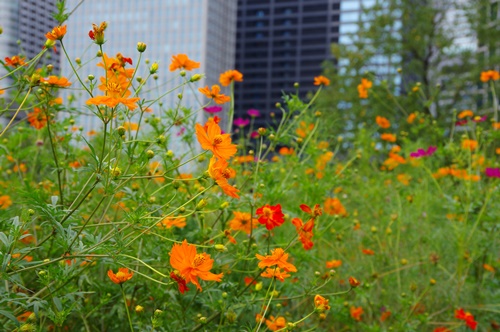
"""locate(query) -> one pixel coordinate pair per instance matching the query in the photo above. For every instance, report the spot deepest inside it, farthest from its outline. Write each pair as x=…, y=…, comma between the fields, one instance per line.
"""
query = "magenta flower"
x=460, y=123
x=481, y=119
x=254, y=134
x=253, y=113
x=492, y=172
x=212, y=109
x=240, y=122
x=424, y=153
x=181, y=132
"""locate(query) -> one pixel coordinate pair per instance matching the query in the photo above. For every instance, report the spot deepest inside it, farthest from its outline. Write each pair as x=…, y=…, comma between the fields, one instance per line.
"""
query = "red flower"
x=181, y=282
x=467, y=317
x=271, y=216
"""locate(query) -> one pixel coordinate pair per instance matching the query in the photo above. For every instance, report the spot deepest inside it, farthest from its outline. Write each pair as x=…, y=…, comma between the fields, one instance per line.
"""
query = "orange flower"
x=230, y=76
x=181, y=61
x=354, y=282
x=191, y=265
x=488, y=75
x=271, y=216
x=304, y=129
x=97, y=33
x=285, y=151
x=121, y=276
x=333, y=263
x=333, y=206
x=214, y=94
x=304, y=231
x=278, y=257
x=219, y=171
x=275, y=273
x=363, y=88
x=320, y=303
x=15, y=61
x=74, y=164
x=466, y=113
x=356, y=313
x=132, y=126
x=496, y=125
x=411, y=118
x=57, y=33
x=24, y=317
x=169, y=222
x=56, y=81
x=37, y=118
x=321, y=80
x=368, y=252
x=385, y=315
x=242, y=221
x=388, y=137
x=404, y=179
x=210, y=138
x=116, y=89
x=488, y=267
x=382, y=122
x=275, y=324
x=469, y=144
x=5, y=202
x=20, y=168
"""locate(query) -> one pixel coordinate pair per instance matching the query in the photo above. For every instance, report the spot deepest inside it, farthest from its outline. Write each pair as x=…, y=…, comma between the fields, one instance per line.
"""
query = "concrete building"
x=205, y=30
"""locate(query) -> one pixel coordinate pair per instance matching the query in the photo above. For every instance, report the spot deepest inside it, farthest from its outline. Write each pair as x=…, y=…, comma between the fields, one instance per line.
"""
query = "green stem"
x=74, y=70
x=126, y=308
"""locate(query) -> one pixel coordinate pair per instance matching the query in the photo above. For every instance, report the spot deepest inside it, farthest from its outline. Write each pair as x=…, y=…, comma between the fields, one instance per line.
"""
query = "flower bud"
x=150, y=154
x=201, y=204
x=141, y=47
x=262, y=131
x=50, y=68
x=195, y=78
x=154, y=68
x=121, y=130
x=139, y=309
x=91, y=77
x=49, y=43
x=220, y=247
x=78, y=61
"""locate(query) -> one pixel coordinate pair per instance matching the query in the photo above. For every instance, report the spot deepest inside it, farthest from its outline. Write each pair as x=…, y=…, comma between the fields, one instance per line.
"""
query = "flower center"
x=267, y=212
x=120, y=275
x=217, y=139
x=226, y=174
x=113, y=89
x=198, y=260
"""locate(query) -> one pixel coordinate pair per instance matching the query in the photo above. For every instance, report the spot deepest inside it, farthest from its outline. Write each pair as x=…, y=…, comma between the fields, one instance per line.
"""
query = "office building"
x=205, y=30
x=280, y=42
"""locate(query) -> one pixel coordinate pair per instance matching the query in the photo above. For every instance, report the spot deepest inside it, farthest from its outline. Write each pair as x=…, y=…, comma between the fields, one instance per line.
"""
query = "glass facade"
x=202, y=29
x=280, y=42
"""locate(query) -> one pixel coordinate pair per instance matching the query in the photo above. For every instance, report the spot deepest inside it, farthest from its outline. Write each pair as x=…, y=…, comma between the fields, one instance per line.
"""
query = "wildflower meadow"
x=188, y=218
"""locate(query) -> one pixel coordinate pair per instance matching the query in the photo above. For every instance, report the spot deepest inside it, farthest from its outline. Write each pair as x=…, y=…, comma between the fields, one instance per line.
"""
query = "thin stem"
x=74, y=70
x=126, y=308
x=17, y=112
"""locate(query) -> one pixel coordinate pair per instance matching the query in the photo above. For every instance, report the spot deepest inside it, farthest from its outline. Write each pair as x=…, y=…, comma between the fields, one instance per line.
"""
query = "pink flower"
x=254, y=134
x=423, y=153
x=240, y=122
x=253, y=113
x=481, y=119
x=181, y=132
x=213, y=109
x=492, y=172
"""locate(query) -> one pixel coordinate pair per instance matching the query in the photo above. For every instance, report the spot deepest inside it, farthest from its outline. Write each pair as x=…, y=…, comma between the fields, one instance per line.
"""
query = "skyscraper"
x=280, y=42
x=24, y=24
x=205, y=30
